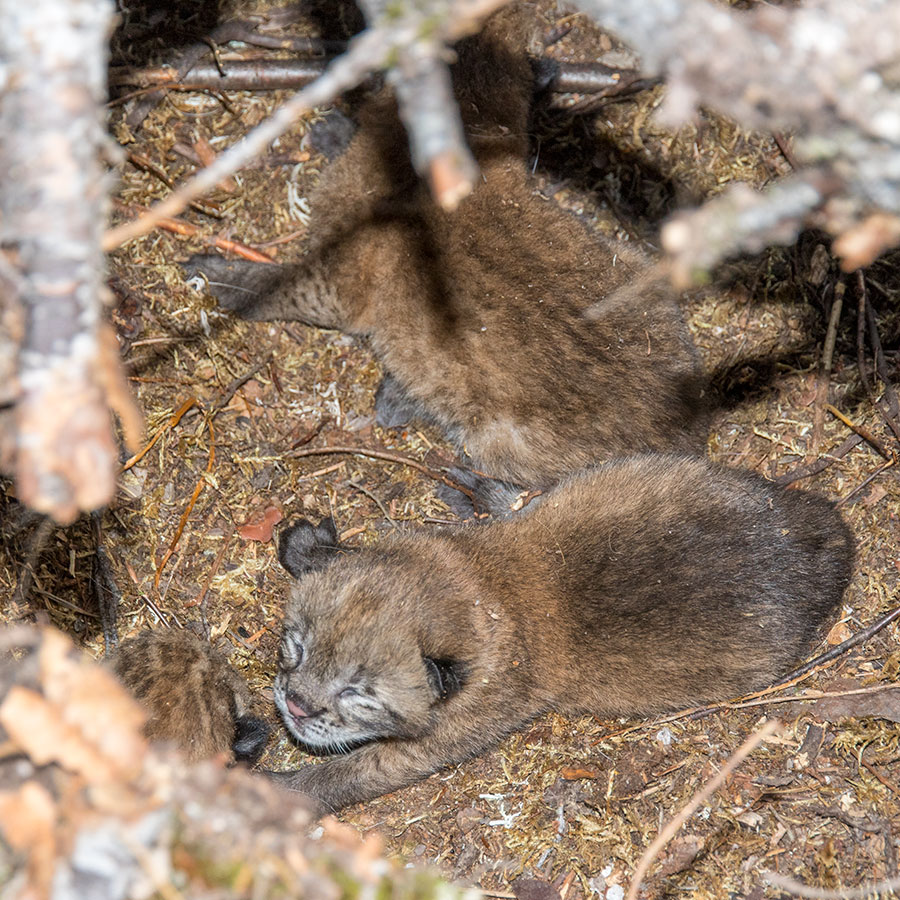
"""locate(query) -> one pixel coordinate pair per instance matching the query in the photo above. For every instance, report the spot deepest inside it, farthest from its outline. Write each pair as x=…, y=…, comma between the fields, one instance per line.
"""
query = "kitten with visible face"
x=193, y=696
x=537, y=345
x=643, y=585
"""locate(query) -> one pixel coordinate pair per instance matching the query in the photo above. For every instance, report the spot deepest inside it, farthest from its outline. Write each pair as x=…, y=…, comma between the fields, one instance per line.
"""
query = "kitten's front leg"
x=265, y=292
x=385, y=766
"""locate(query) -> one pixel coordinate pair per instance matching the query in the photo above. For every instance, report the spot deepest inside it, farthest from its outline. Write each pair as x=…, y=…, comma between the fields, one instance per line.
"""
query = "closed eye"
x=291, y=651
x=350, y=692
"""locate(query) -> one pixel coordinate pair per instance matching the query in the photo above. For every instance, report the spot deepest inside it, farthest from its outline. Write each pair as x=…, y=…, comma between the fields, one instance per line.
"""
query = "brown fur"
x=539, y=346
x=646, y=584
x=194, y=697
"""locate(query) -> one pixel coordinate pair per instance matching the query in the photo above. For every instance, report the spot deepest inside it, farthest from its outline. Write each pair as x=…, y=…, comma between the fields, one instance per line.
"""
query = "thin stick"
x=668, y=832
x=188, y=229
x=841, y=648
x=814, y=468
x=864, y=433
x=386, y=455
x=371, y=50
x=823, y=377
x=176, y=418
x=813, y=893
x=761, y=697
x=861, y=300
x=200, y=599
x=892, y=412
x=890, y=785
x=185, y=515
x=357, y=486
x=865, y=482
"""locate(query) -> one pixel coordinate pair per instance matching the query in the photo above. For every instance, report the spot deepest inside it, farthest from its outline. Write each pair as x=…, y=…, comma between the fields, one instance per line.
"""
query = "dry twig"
x=371, y=50
x=386, y=455
x=711, y=786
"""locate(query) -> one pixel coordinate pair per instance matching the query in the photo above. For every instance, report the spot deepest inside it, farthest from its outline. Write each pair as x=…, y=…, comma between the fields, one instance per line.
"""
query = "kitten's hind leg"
x=331, y=135
x=499, y=498
x=394, y=408
x=304, y=547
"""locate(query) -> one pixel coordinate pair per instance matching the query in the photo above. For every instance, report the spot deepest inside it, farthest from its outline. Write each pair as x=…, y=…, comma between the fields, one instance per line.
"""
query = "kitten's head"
x=353, y=665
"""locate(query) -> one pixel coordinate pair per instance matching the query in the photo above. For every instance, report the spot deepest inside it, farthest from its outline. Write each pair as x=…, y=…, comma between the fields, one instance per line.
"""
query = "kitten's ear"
x=304, y=547
x=446, y=676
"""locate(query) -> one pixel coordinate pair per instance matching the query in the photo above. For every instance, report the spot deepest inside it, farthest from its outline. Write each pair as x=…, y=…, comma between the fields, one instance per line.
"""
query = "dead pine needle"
x=823, y=377
x=176, y=418
x=711, y=786
x=832, y=654
x=187, y=512
x=864, y=433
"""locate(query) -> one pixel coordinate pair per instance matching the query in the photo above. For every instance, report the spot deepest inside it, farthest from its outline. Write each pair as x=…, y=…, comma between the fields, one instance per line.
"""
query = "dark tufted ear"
x=250, y=737
x=446, y=676
x=304, y=547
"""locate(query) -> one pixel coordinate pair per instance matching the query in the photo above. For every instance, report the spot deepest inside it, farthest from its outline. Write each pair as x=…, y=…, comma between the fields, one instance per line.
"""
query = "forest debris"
x=534, y=889
x=188, y=229
x=261, y=522
x=681, y=854
x=431, y=24
x=879, y=704
x=768, y=729
x=839, y=633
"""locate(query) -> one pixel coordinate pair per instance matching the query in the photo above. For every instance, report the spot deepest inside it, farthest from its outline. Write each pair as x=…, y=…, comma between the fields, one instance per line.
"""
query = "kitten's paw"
x=250, y=737
x=297, y=781
x=394, y=408
x=500, y=499
x=238, y=285
x=304, y=547
x=331, y=135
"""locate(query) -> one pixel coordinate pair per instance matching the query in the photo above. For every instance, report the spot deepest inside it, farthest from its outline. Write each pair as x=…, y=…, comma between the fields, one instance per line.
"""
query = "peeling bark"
x=54, y=204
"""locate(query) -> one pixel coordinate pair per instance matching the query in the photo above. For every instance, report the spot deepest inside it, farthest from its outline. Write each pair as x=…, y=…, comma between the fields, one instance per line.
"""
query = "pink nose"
x=295, y=709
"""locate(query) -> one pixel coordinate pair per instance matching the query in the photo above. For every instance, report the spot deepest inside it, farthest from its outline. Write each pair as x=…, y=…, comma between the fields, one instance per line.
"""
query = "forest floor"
x=571, y=804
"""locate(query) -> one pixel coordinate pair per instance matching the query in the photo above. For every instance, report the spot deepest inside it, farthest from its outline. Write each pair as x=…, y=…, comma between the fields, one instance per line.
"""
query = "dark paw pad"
x=250, y=737
x=304, y=547
x=238, y=285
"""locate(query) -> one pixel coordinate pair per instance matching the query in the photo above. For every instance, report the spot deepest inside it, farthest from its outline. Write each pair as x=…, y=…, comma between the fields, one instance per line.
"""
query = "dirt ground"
x=571, y=804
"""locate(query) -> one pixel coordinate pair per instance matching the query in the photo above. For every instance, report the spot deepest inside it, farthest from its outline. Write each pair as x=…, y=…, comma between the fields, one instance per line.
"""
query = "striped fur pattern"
x=195, y=699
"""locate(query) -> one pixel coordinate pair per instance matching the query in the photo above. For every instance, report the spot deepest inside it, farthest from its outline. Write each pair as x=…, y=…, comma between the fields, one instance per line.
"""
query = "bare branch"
x=52, y=209
x=371, y=50
x=822, y=70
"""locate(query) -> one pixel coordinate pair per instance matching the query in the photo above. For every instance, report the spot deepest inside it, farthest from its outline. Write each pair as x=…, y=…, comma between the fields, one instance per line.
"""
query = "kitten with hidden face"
x=643, y=585
x=537, y=345
x=193, y=696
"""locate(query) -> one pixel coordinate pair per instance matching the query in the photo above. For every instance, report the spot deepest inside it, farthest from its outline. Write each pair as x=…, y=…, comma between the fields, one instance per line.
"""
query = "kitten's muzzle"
x=298, y=707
